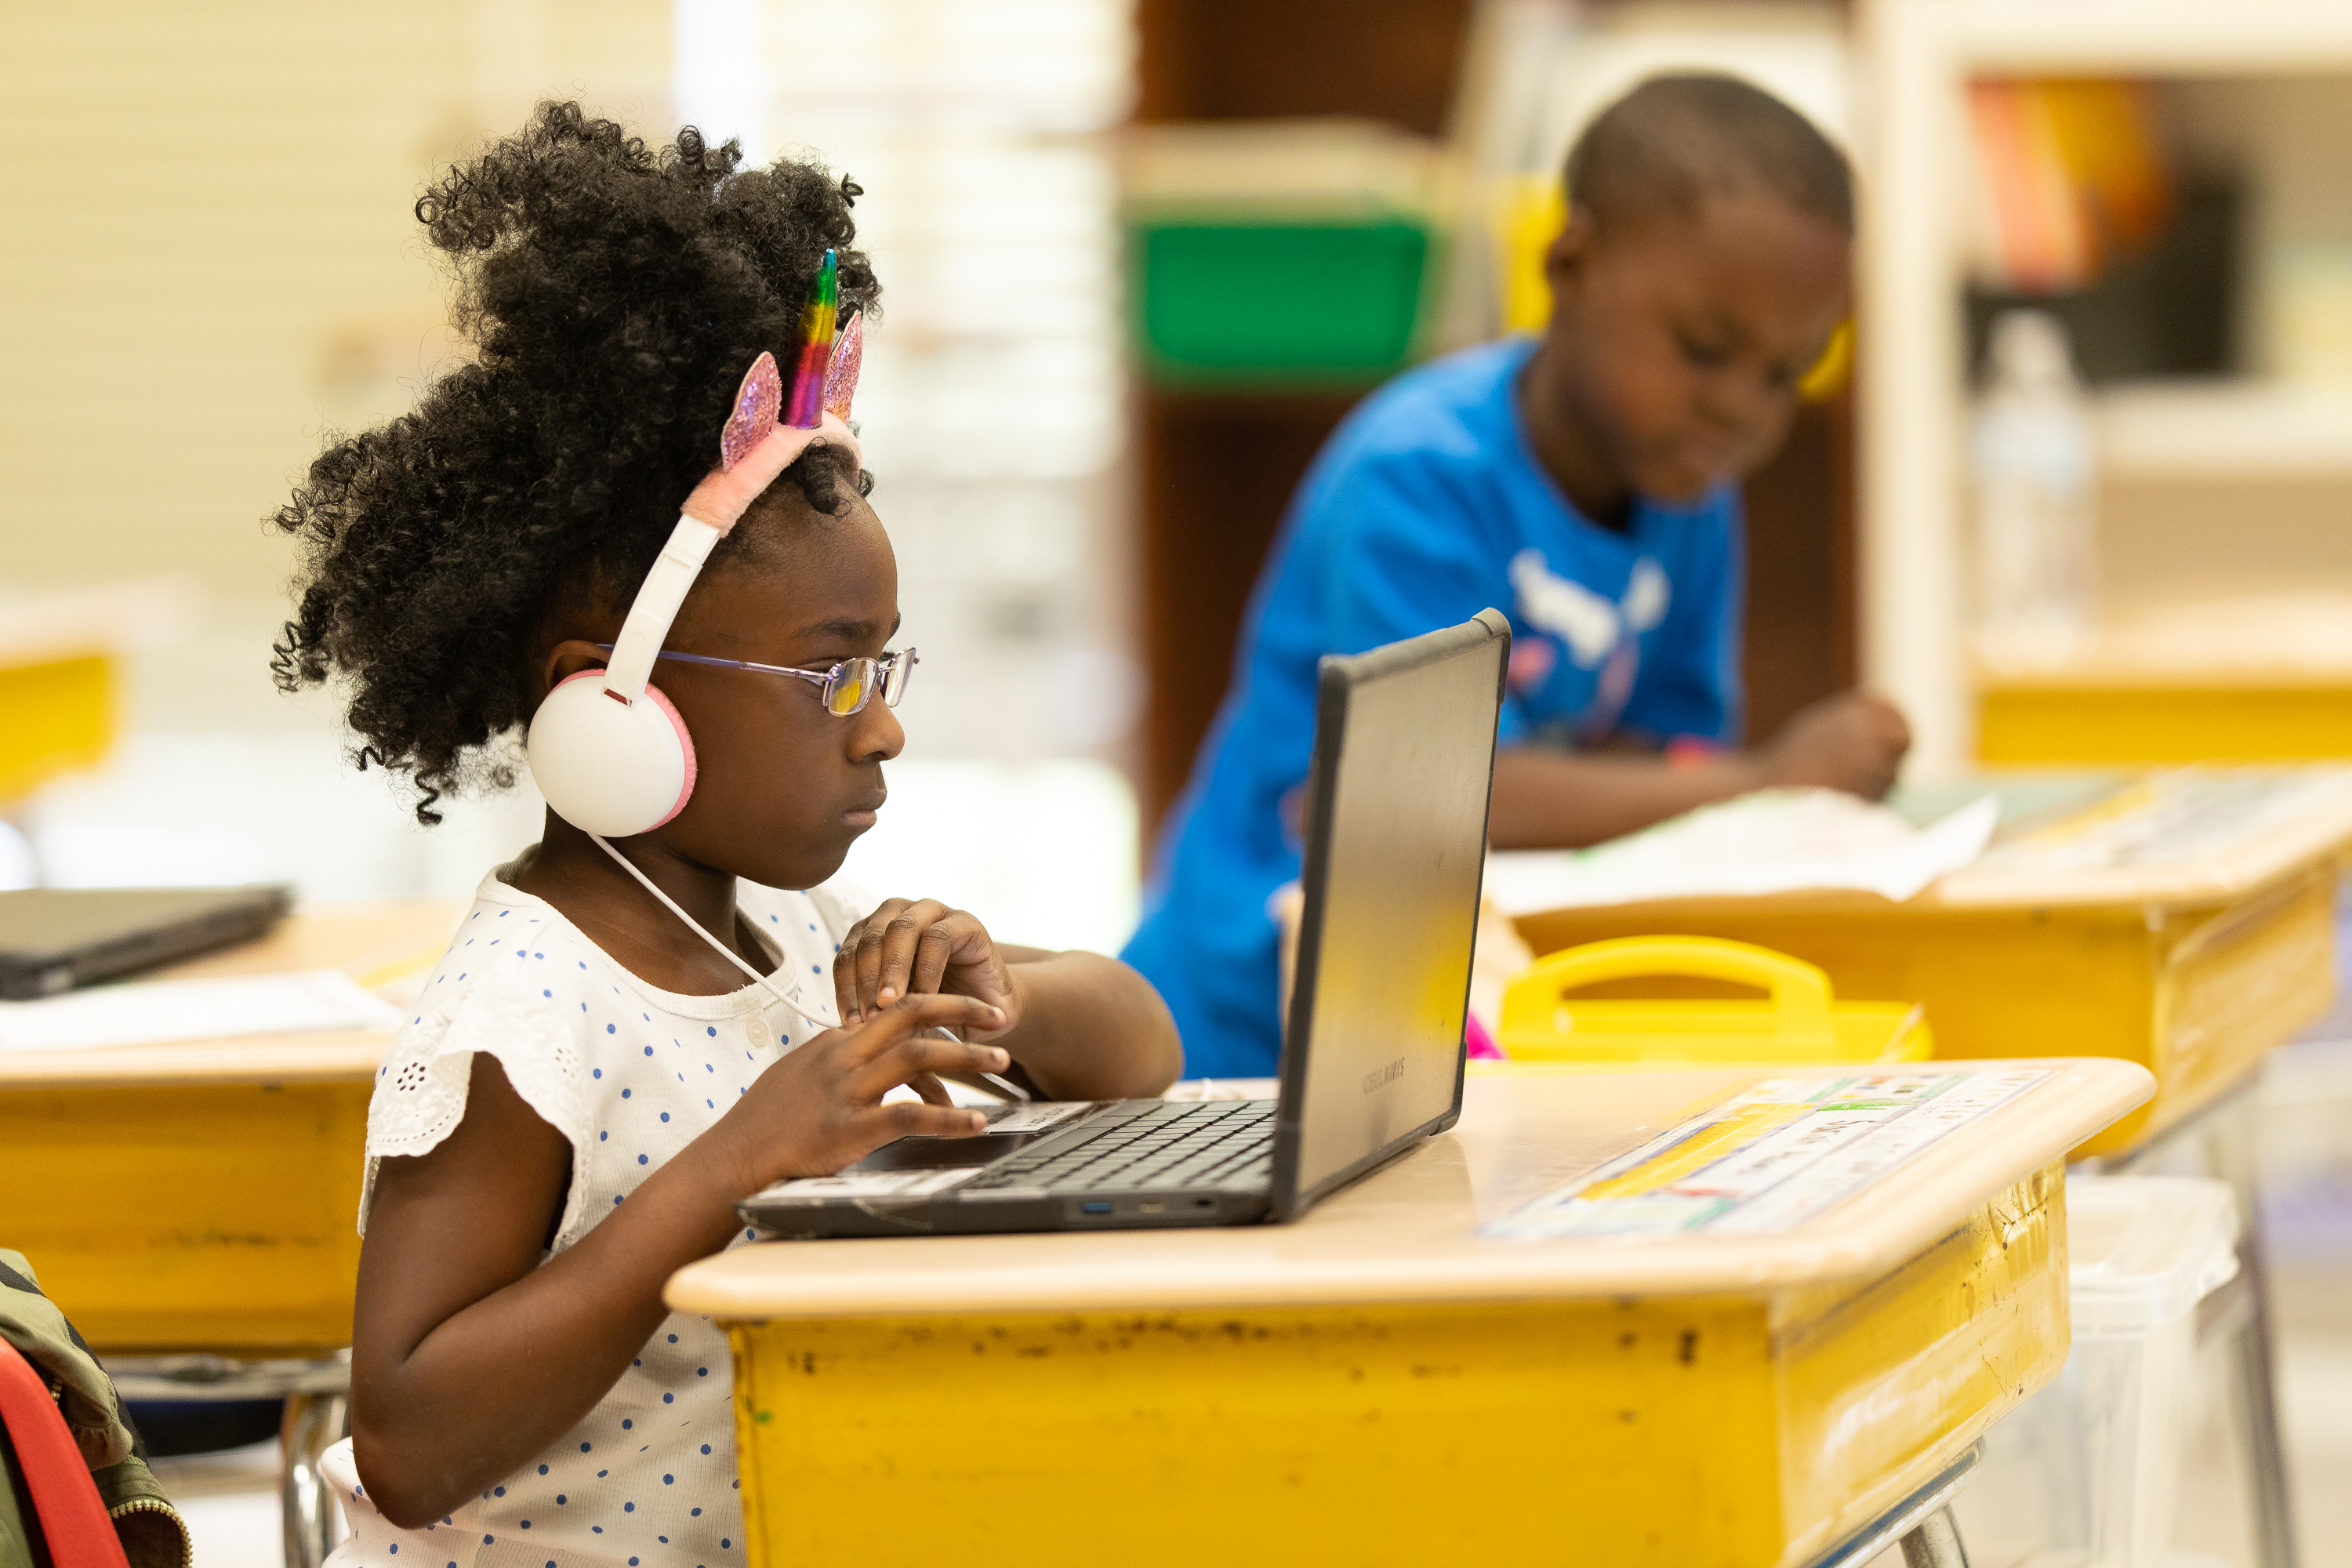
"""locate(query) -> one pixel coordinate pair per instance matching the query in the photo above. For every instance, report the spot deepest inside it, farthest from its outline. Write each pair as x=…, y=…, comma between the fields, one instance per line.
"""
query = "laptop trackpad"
x=943, y=1153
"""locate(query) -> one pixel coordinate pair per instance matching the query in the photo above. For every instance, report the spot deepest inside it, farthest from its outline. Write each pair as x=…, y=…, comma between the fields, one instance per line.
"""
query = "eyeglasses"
x=847, y=687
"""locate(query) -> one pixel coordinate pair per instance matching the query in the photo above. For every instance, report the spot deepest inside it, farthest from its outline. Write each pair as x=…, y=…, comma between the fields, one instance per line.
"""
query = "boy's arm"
x=1547, y=798
x=1550, y=799
x=1080, y=1026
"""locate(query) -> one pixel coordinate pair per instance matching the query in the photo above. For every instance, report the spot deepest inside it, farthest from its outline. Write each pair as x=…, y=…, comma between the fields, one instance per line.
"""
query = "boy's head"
x=615, y=294
x=1705, y=264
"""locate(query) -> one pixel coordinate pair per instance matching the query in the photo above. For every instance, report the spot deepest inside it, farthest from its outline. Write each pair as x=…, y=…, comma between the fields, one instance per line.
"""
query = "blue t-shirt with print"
x=1426, y=506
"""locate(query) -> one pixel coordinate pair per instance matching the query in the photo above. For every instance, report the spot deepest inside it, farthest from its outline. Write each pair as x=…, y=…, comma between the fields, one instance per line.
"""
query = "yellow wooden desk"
x=1379, y=1383
x=2193, y=959
x=204, y=1195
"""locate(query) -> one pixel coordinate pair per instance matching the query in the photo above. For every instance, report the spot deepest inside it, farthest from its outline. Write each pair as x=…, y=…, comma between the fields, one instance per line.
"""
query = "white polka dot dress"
x=629, y=1074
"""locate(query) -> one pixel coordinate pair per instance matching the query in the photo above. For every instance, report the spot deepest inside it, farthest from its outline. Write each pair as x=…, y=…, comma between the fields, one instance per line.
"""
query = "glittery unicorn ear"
x=841, y=375
x=757, y=403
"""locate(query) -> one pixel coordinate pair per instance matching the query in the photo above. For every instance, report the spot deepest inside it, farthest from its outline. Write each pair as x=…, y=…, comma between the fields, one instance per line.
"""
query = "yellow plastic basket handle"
x=1799, y=991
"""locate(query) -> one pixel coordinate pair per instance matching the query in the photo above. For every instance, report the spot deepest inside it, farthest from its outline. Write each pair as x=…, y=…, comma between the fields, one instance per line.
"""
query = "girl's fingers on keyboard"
x=911, y=1059
x=877, y=1125
x=884, y=1028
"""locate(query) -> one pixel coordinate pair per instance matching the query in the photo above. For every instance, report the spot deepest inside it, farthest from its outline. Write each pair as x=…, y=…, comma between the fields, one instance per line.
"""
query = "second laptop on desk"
x=1371, y=1062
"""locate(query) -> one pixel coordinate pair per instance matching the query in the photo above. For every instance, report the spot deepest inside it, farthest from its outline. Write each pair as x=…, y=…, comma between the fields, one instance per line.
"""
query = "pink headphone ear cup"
x=685, y=746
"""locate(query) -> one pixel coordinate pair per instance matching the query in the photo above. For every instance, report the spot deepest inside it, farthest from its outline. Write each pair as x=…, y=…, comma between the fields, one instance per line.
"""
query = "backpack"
x=46, y=1371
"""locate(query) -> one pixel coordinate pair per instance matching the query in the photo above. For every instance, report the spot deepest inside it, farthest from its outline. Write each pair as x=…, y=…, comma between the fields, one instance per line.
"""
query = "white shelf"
x=1916, y=57
x=2189, y=37
x=2224, y=430
x=2291, y=636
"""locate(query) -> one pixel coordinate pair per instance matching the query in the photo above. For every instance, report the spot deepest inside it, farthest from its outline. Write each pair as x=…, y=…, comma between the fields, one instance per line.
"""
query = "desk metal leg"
x=1935, y=1543
x=2228, y=1142
x=313, y=1424
x=1921, y=1524
x=2222, y=1141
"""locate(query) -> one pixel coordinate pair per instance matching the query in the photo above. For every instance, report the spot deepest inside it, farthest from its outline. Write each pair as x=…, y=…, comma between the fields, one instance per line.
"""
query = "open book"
x=1774, y=841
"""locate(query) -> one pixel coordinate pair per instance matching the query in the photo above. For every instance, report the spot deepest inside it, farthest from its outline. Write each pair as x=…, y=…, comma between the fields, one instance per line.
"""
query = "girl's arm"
x=1081, y=1026
x=468, y=1356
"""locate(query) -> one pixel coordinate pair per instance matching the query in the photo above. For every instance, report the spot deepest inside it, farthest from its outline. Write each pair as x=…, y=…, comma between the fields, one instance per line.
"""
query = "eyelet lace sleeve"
x=420, y=1090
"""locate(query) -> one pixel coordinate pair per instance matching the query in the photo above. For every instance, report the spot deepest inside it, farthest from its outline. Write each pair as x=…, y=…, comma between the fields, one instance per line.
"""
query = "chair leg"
x=312, y=1424
x=1935, y=1543
x=2230, y=1154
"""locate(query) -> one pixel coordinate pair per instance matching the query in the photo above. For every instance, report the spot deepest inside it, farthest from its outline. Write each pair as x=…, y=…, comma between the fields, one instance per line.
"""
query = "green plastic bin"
x=1275, y=303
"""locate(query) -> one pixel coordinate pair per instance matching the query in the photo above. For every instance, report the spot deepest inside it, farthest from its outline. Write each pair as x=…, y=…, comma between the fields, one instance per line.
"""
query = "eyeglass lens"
x=853, y=680
x=894, y=684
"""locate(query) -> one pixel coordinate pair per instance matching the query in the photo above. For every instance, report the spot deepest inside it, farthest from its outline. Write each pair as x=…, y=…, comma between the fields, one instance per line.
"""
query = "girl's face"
x=782, y=787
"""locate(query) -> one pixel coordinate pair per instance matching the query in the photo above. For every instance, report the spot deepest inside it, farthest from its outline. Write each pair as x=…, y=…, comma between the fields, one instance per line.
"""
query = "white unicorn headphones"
x=606, y=748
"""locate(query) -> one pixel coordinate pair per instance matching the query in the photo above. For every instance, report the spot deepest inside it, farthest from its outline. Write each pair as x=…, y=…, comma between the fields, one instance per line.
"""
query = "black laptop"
x=54, y=939
x=1372, y=1057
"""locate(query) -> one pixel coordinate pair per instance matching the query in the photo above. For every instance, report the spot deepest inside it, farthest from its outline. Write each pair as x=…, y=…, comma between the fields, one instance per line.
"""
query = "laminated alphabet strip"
x=1770, y=1158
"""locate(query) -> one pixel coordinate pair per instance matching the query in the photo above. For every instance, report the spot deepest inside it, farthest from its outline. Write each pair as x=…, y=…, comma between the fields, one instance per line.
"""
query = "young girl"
x=586, y=1085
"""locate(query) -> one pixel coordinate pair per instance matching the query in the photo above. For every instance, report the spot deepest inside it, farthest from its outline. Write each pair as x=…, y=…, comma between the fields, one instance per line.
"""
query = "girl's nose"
x=875, y=734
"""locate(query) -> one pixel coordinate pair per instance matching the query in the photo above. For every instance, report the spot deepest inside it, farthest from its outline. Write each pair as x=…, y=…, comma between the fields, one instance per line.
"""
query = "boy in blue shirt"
x=1585, y=483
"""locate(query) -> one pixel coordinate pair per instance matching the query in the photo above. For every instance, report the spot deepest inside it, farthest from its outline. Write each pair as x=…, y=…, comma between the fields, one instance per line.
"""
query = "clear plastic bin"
x=2085, y=1473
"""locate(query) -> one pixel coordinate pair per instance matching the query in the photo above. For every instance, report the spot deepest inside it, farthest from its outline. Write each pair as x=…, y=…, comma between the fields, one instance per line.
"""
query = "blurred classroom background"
x=1140, y=255
x=215, y=266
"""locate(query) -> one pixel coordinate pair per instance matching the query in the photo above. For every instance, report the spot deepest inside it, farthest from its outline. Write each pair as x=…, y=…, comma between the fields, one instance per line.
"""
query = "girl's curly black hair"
x=614, y=296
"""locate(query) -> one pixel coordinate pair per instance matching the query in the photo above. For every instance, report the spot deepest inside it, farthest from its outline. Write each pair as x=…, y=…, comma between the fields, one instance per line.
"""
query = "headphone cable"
x=1004, y=1086
x=719, y=947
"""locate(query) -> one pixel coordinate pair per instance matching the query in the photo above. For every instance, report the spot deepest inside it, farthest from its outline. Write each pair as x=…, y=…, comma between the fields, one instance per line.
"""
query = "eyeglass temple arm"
x=900, y=661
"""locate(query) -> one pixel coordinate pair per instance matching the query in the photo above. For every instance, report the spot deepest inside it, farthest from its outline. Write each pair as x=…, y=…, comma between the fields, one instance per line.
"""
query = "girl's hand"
x=908, y=949
x=821, y=1107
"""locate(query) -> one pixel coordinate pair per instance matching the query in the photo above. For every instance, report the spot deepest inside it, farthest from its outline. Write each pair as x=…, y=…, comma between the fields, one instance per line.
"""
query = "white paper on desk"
x=1774, y=841
x=142, y=1013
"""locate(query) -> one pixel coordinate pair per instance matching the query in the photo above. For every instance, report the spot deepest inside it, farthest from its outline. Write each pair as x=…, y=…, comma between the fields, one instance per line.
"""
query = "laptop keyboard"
x=1206, y=1143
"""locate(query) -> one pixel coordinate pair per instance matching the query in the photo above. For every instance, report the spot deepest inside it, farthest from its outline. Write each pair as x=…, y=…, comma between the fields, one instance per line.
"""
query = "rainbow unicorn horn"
x=805, y=406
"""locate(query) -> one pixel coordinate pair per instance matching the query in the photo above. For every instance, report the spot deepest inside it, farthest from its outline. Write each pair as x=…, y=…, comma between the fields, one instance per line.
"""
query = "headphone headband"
x=711, y=513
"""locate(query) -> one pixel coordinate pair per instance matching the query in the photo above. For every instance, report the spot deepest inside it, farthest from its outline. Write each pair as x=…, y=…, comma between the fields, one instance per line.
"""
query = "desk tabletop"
x=1408, y=1233
x=376, y=943
x=2180, y=837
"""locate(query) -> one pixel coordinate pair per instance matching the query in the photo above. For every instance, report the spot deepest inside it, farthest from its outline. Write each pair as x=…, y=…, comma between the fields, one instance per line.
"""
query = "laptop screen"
x=1396, y=841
